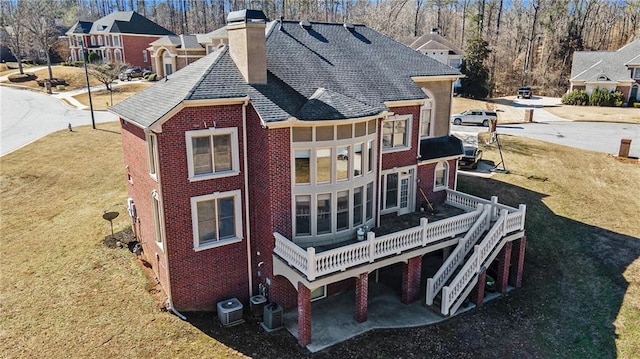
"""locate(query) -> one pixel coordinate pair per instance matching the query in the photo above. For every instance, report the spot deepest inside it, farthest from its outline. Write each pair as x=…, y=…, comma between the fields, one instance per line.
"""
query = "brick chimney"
x=247, y=44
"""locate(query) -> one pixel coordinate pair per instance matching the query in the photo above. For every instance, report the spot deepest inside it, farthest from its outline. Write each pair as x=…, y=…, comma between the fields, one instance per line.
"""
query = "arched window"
x=441, y=176
x=118, y=55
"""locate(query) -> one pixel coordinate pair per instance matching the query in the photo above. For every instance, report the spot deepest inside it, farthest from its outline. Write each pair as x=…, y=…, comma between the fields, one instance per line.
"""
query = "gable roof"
x=318, y=73
x=181, y=41
x=590, y=66
x=435, y=41
x=120, y=22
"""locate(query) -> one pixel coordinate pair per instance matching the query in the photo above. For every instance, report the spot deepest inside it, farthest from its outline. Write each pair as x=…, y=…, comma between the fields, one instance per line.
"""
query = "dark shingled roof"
x=320, y=73
x=438, y=147
x=81, y=27
x=122, y=22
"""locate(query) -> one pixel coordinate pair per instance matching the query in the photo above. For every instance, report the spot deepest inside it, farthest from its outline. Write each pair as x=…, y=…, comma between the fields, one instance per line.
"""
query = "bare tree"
x=40, y=21
x=106, y=73
x=12, y=28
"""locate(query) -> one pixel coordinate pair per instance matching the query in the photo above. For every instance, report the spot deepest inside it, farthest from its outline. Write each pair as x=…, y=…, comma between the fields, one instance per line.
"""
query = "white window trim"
x=116, y=41
x=407, y=146
x=440, y=164
x=152, y=155
x=100, y=40
x=322, y=296
x=235, y=155
x=237, y=204
x=93, y=40
x=637, y=73
x=144, y=56
x=158, y=223
x=383, y=189
x=427, y=106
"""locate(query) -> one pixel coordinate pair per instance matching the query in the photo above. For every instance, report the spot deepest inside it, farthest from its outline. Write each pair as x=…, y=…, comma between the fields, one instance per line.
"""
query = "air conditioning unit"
x=230, y=312
x=272, y=318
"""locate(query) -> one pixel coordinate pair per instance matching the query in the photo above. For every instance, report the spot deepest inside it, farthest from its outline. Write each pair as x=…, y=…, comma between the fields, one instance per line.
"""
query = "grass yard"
x=75, y=76
x=597, y=114
x=64, y=294
x=102, y=99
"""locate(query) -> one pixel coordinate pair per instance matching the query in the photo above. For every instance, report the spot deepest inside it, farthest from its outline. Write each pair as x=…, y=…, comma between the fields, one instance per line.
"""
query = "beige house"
x=173, y=52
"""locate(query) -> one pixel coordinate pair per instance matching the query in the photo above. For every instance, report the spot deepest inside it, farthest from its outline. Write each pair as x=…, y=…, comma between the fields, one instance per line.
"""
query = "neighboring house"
x=441, y=49
x=614, y=70
x=173, y=52
x=261, y=167
x=122, y=36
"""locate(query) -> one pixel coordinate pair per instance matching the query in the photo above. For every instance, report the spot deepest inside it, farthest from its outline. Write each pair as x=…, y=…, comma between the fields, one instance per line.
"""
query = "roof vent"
x=305, y=24
x=349, y=26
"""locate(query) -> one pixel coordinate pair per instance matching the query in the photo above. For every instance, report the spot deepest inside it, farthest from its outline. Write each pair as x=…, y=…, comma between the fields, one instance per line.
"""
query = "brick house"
x=261, y=168
x=122, y=36
x=614, y=70
x=173, y=52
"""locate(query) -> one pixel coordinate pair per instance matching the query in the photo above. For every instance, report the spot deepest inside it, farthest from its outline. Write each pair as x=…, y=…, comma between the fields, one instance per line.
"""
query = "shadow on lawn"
x=572, y=291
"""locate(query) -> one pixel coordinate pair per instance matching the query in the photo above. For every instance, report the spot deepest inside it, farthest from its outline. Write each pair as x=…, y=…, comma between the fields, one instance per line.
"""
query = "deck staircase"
x=453, y=282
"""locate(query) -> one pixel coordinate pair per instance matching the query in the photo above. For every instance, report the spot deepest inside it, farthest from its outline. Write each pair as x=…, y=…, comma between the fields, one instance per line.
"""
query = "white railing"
x=313, y=265
x=456, y=257
x=339, y=259
x=452, y=292
x=468, y=203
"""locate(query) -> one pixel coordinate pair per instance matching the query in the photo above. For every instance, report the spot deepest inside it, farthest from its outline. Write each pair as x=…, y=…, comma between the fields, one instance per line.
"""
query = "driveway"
x=26, y=116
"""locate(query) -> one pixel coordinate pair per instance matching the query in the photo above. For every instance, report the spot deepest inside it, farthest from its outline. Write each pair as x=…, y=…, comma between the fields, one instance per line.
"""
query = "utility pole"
x=85, y=54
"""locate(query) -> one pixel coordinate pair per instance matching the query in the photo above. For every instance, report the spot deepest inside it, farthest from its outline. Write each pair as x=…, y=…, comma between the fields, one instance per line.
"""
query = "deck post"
x=372, y=246
x=304, y=315
x=517, y=262
x=504, y=260
x=477, y=295
x=311, y=263
x=362, y=295
x=423, y=223
x=411, y=279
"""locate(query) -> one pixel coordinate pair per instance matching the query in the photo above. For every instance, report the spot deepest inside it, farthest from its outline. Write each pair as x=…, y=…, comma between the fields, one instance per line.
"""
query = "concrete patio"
x=333, y=317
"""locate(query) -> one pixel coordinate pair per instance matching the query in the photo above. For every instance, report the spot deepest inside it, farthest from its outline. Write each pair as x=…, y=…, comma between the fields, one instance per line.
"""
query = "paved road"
x=593, y=136
x=26, y=116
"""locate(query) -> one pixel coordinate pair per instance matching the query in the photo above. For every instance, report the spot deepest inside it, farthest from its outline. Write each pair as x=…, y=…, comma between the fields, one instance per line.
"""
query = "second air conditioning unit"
x=230, y=312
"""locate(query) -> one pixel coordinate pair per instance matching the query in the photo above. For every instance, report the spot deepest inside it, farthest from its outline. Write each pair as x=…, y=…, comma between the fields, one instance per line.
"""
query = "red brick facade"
x=132, y=47
x=362, y=296
x=411, y=279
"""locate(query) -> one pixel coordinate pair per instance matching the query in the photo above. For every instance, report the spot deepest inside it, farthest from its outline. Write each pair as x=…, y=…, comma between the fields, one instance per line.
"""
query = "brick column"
x=304, y=315
x=362, y=294
x=477, y=294
x=411, y=279
x=517, y=262
x=504, y=260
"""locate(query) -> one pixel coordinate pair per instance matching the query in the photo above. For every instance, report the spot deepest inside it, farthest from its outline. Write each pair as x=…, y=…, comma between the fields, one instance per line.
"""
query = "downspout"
x=246, y=194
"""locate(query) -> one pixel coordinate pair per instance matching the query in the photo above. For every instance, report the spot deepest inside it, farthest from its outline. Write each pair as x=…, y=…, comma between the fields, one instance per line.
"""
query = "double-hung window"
x=425, y=120
x=396, y=132
x=212, y=153
x=152, y=151
x=157, y=218
x=216, y=219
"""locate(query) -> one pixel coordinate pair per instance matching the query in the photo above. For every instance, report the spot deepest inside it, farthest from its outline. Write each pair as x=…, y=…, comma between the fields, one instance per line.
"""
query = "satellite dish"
x=110, y=216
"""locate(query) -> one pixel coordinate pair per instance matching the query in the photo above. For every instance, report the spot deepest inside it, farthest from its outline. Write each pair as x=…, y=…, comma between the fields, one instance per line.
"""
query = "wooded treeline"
x=530, y=41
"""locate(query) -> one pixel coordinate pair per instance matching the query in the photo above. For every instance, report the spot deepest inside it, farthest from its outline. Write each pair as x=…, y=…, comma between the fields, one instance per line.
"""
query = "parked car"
x=479, y=117
x=131, y=73
x=472, y=155
x=525, y=92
